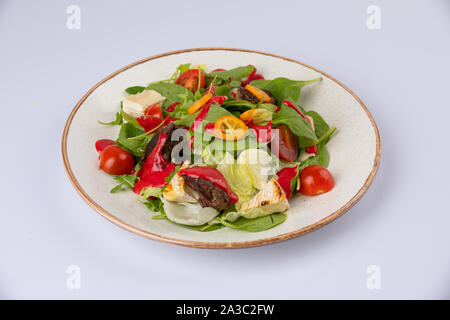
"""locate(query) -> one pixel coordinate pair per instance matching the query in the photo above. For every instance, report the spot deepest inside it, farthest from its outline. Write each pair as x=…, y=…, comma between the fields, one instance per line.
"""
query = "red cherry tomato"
x=285, y=145
x=315, y=180
x=103, y=143
x=189, y=79
x=114, y=160
x=154, y=111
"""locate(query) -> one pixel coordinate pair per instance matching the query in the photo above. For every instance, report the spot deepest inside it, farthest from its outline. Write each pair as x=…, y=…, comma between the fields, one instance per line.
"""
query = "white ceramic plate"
x=354, y=149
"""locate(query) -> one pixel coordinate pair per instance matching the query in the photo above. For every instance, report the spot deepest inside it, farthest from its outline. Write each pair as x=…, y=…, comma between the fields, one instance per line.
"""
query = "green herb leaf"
x=283, y=88
x=172, y=92
x=237, y=73
x=134, y=90
x=118, y=121
x=135, y=146
x=289, y=117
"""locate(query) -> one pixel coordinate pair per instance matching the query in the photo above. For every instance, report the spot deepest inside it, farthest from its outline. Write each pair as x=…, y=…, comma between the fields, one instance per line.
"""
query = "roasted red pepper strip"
x=293, y=106
x=252, y=78
x=210, y=127
x=155, y=168
x=202, y=115
x=312, y=149
x=285, y=177
x=263, y=133
x=213, y=175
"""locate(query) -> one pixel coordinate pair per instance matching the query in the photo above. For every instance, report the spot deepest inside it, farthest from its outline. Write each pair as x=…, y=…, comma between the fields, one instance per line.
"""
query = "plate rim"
x=216, y=245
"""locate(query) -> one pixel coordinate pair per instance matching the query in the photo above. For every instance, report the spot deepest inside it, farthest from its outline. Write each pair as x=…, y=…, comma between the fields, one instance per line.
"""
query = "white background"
x=402, y=224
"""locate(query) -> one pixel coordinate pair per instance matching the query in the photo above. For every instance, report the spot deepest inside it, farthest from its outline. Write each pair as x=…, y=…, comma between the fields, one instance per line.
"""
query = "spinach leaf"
x=283, y=88
x=289, y=117
x=223, y=90
x=256, y=224
x=320, y=126
x=135, y=146
x=187, y=120
x=172, y=92
x=242, y=103
x=215, y=112
x=237, y=73
x=134, y=90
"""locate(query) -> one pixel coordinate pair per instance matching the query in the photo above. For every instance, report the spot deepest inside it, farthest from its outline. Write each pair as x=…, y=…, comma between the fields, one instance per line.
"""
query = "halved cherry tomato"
x=154, y=111
x=285, y=144
x=189, y=79
x=315, y=180
x=149, y=122
x=230, y=128
x=103, y=143
x=114, y=160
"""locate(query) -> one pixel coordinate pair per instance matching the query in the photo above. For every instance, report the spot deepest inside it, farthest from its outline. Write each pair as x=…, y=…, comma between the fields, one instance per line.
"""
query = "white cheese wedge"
x=269, y=200
x=191, y=214
x=135, y=105
x=174, y=191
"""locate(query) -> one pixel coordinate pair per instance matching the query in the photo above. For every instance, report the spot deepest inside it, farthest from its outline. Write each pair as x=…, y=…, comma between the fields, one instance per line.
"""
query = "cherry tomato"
x=154, y=111
x=285, y=145
x=315, y=180
x=103, y=143
x=149, y=122
x=189, y=79
x=114, y=160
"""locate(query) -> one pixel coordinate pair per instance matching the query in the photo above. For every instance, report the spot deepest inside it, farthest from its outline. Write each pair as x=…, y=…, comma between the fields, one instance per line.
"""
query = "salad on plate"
x=225, y=148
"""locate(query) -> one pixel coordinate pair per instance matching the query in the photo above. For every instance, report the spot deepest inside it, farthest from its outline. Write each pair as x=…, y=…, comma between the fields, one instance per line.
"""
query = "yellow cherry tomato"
x=230, y=128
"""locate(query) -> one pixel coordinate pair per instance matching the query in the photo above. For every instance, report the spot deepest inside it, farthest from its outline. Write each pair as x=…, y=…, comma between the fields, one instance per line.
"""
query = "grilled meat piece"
x=169, y=144
x=244, y=94
x=207, y=194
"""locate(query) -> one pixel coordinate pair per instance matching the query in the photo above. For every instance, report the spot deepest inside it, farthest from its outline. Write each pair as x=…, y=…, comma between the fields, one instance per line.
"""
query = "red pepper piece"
x=155, y=168
x=202, y=115
x=171, y=108
x=285, y=177
x=263, y=133
x=312, y=149
x=103, y=143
